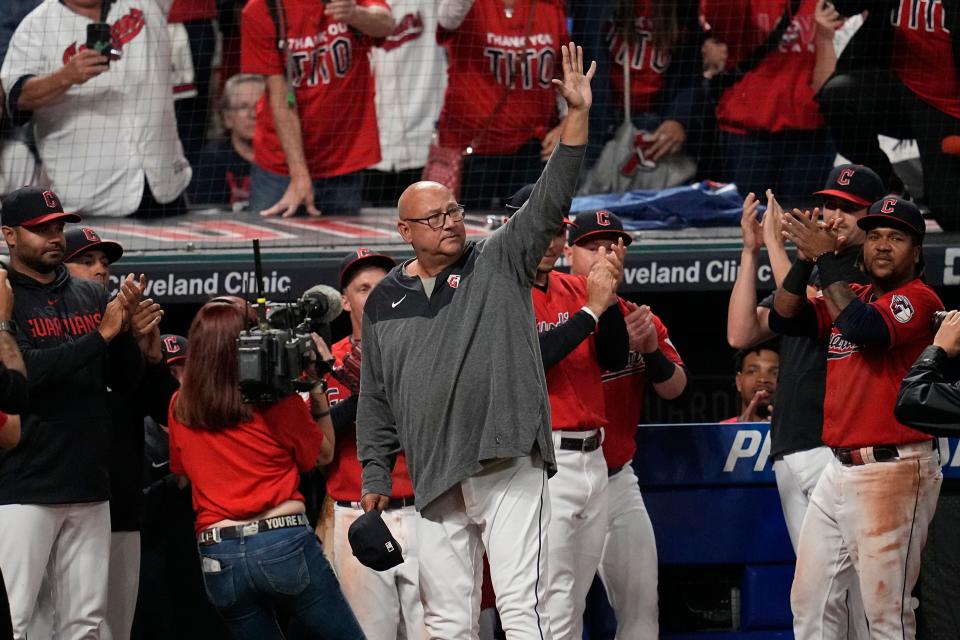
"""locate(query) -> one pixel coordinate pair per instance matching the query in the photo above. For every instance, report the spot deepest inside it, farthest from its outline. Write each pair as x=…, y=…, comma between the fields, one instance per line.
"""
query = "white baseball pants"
x=386, y=603
x=578, y=526
x=71, y=543
x=797, y=474
x=122, y=585
x=504, y=509
x=866, y=523
x=628, y=564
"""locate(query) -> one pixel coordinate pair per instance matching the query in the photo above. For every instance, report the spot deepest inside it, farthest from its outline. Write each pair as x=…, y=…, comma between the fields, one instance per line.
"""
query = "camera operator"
x=244, y=461
x=929, y=401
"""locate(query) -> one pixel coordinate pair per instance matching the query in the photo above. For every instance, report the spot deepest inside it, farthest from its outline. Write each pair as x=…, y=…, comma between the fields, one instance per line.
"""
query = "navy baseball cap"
x=594, y=224
x=359, y=258
x=894, y=211
x=32, y=206
x=854, y=183
x=83, y=239
x=174, y=348
x=372, y=543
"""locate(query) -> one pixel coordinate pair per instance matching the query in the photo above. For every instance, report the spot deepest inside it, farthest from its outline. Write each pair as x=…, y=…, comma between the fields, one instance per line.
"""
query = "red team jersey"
x=487, y=54
x=344, y=473
x=332, y=82
x=923, y=54
x=576, y=393
x=647, y=64
x=862, y=384
x=776, y=95
x=241, y=471
x=623, y=393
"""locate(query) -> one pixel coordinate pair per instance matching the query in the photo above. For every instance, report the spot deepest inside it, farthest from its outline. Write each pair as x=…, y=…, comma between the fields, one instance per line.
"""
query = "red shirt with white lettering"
x=190, y=10
x=647, y=64
x=862, y=383
x=574, y=386
x=776, y=95
x=246, y=469
x=332, y=82
x=487, y=54
x=344, y=473
x=923, y=54
x=624, y=392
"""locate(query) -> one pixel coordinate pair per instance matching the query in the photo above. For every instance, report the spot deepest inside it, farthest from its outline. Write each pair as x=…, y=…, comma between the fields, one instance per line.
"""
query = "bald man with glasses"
x=451, y=375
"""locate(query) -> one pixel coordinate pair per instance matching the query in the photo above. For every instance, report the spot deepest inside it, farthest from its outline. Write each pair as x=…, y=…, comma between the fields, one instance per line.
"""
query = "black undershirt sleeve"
x=556, y=344
x=863, y=324
x=613, y=343
x=343, y=414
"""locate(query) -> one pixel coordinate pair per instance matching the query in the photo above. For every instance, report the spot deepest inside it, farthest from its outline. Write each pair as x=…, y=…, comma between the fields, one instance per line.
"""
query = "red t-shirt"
x=344, y=473
x=862, y=383
x=3, y=420
x=332, y=82
x=189, y=10
x=623, y=393
x=487, y=54
x=576, y=392
x=241, y=471
x=923, y=54
x=647, y=64
x=776, y=95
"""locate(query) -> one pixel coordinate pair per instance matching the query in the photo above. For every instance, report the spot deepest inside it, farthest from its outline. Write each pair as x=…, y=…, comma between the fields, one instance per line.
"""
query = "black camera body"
x=273, y=364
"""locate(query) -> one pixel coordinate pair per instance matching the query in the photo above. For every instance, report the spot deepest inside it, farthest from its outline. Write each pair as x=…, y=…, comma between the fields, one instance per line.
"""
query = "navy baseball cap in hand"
x=173, y=347
x=373, y=544
x=894, y=211
x=854, y=183
x=32, y=206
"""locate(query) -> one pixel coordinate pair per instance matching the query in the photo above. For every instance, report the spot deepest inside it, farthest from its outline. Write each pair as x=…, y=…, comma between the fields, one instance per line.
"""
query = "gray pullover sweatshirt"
x=455, y=380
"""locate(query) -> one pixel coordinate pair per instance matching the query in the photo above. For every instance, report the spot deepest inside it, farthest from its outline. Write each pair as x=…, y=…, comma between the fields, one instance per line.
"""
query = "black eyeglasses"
x=846, y=206
x=437, y=220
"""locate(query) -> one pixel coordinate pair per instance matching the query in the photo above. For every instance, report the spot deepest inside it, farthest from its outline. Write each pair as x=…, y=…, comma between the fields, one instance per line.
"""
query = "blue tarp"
x=703, y=204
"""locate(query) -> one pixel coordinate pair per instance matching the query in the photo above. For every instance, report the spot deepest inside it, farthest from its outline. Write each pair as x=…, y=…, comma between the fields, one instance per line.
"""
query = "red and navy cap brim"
x=371, y=259
x=113, y=250
x=50, y=217
x=627, y=238
x=874, y=220
x=844, y=195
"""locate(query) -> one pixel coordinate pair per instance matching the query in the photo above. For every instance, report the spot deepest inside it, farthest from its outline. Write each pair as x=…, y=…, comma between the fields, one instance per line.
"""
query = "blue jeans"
x=246, y=579
x=338, y=196
x=792, y=163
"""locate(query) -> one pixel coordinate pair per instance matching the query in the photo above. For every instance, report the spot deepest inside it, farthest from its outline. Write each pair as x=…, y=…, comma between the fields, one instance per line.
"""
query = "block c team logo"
x=902, y=309
x=90, y=234
x=844, y=177
x=170, y=344
x=603, y=218
x=454, y=281
x=50, y=199
x=363, y=252
x=888, y=205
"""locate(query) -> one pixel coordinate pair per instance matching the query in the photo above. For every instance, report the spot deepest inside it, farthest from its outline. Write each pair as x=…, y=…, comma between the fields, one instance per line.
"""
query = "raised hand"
x=575, y=86
x=772, y=222
x=750, y=229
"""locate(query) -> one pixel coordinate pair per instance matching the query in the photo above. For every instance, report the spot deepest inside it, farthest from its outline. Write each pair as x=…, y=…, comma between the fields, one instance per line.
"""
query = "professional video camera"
x=278, y=357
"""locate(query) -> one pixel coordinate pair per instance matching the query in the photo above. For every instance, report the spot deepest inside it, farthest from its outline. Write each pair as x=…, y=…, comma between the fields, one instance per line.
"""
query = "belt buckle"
x=249, y=529
x=210, y=536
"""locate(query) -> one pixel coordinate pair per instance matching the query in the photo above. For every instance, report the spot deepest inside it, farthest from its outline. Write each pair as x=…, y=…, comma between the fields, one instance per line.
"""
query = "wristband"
x=321, y=414
x=590, y=313
x=831, y=270
x=797, y=278
x=658, y=367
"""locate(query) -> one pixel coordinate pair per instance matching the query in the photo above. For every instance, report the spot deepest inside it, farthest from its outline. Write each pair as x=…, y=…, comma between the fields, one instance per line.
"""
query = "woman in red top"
x=258, y=552
x=772, y=134
x=502, y=56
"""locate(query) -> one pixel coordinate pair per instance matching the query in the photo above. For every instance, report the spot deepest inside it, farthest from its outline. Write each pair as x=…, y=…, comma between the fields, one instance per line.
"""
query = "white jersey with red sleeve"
x=487, y=55
x=624, y=392
x=332, y=83
x=862, y=382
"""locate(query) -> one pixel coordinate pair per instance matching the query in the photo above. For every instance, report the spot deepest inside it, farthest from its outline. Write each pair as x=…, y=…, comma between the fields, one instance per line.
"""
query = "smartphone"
x=100, y=39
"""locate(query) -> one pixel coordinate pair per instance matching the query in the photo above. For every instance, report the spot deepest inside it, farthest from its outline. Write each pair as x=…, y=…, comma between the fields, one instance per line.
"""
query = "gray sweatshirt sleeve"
x=519, y=245
x=377, y=440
